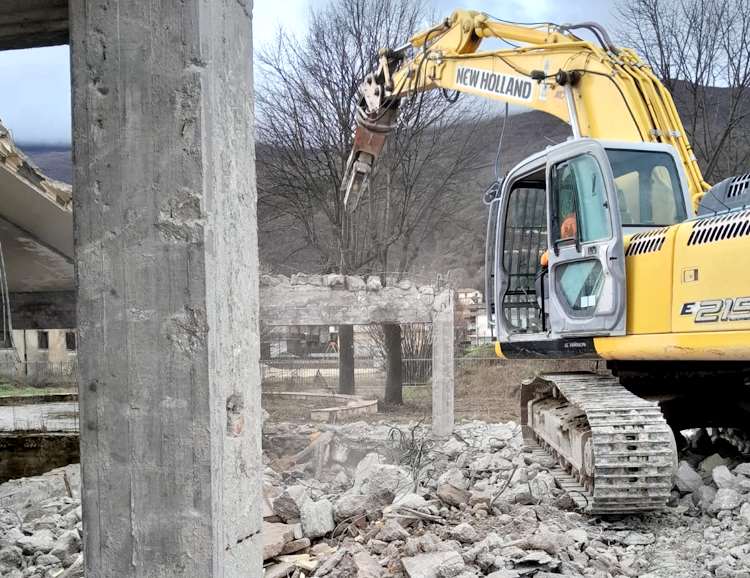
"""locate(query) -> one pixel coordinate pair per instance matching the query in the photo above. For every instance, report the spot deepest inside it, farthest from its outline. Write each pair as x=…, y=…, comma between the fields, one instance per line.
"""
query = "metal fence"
x=319, y=372
x=369, y=372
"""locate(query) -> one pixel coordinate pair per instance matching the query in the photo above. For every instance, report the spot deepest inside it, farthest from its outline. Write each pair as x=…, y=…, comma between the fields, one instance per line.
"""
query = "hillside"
x=54, y=161
x=457, y=249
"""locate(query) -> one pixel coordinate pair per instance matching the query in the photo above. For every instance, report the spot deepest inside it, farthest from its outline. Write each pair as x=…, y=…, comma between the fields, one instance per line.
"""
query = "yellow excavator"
x=608, y=246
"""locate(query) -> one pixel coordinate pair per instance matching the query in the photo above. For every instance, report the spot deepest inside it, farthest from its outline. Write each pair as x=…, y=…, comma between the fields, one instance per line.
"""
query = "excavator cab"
x=555, y=255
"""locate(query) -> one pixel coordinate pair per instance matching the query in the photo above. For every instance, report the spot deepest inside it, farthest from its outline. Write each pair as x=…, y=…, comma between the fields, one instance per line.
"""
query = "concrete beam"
x=33, y=23
x=43, y=310
x=339, y=300
x=166, y=266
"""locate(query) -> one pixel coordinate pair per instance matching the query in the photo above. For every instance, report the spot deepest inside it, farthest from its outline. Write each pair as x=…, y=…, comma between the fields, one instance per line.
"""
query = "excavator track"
x=615, y=452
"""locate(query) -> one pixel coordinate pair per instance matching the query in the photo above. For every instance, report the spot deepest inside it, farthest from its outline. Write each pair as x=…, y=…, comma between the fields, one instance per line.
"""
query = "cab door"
x=516, y=241
x=587, y=289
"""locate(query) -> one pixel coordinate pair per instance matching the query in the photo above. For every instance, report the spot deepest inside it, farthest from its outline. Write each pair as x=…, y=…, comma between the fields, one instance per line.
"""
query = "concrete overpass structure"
x=33, y=23
x=36, y=235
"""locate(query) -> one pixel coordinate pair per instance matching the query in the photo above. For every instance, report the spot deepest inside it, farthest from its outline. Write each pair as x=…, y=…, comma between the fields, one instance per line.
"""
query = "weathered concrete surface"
x=338, y=300
x=348, y=405
x=31, y=23
x=33, y=202
x=33, y=265
x=442, y=366
x=166, y=264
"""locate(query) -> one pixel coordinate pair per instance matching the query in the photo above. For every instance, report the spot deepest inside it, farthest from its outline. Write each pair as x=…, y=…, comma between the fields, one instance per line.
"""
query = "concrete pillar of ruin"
x=346, y=359
x=393, y=368
x=167, y=267
x=443, y=338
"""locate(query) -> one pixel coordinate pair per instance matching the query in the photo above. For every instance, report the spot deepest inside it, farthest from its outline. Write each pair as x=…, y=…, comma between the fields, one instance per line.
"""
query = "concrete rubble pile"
x=369, y=500
x=40, y=526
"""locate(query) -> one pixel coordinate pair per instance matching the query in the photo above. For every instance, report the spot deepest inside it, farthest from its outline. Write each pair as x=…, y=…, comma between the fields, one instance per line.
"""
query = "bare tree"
x=305, y=107
x=414, y=343
x=699, y=50
x=305, y=119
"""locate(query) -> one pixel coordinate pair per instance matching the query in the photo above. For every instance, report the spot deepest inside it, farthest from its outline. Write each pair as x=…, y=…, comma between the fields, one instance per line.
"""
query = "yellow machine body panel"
x=648, y=272
x=707, y=346
x=688, y=289
x=688, y=293
x=712, y=274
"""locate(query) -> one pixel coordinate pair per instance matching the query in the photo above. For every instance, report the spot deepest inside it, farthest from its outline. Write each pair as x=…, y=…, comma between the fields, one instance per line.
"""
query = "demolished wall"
x=351, y=300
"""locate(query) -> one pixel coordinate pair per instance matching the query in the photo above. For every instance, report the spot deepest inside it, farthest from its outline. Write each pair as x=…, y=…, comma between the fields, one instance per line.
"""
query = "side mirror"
x=493, y=192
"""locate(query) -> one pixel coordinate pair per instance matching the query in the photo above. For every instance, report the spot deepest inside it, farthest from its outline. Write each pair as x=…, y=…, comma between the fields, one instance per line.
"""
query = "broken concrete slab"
x=432, y=564
x=687, y=479
x=275, y=537
x=317, y=518
x=452, y=495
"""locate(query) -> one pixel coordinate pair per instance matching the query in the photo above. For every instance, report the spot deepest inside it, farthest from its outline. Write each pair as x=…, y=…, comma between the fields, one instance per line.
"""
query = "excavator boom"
x=600, y=90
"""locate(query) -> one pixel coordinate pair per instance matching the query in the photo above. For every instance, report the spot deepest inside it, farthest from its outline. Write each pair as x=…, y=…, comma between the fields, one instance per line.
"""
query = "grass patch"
x=484, y=351
x=8, y=389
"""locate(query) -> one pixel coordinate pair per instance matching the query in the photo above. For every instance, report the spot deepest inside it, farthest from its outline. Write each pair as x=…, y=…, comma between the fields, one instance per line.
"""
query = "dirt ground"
x=489, y=393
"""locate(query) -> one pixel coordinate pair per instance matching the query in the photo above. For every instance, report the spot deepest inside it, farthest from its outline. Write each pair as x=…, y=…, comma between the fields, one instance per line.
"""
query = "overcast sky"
x=34, y=84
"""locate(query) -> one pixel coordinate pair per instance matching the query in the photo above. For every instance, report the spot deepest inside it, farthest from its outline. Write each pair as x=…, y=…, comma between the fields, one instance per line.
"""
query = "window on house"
x=70, y=340
x=42, y=340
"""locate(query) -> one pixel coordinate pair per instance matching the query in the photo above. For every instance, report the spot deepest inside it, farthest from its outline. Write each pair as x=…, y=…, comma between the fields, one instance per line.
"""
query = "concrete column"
x=442, y=364
x=166, y=269
x=346, y=359
x=393, y=370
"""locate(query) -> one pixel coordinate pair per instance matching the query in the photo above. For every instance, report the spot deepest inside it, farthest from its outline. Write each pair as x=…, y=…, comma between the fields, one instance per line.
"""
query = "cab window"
x=580, y=214
x=648, y=188
x=579, y=201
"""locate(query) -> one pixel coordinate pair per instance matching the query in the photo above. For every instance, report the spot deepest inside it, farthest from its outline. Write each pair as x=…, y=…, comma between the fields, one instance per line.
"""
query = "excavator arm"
x=601, y=91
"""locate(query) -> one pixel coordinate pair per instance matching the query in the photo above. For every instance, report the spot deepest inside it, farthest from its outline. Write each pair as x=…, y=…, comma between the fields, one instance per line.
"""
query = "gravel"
x=410, y=506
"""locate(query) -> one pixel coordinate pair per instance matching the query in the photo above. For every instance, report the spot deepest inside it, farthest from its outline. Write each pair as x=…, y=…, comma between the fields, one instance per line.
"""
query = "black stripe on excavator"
x=574, y=348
